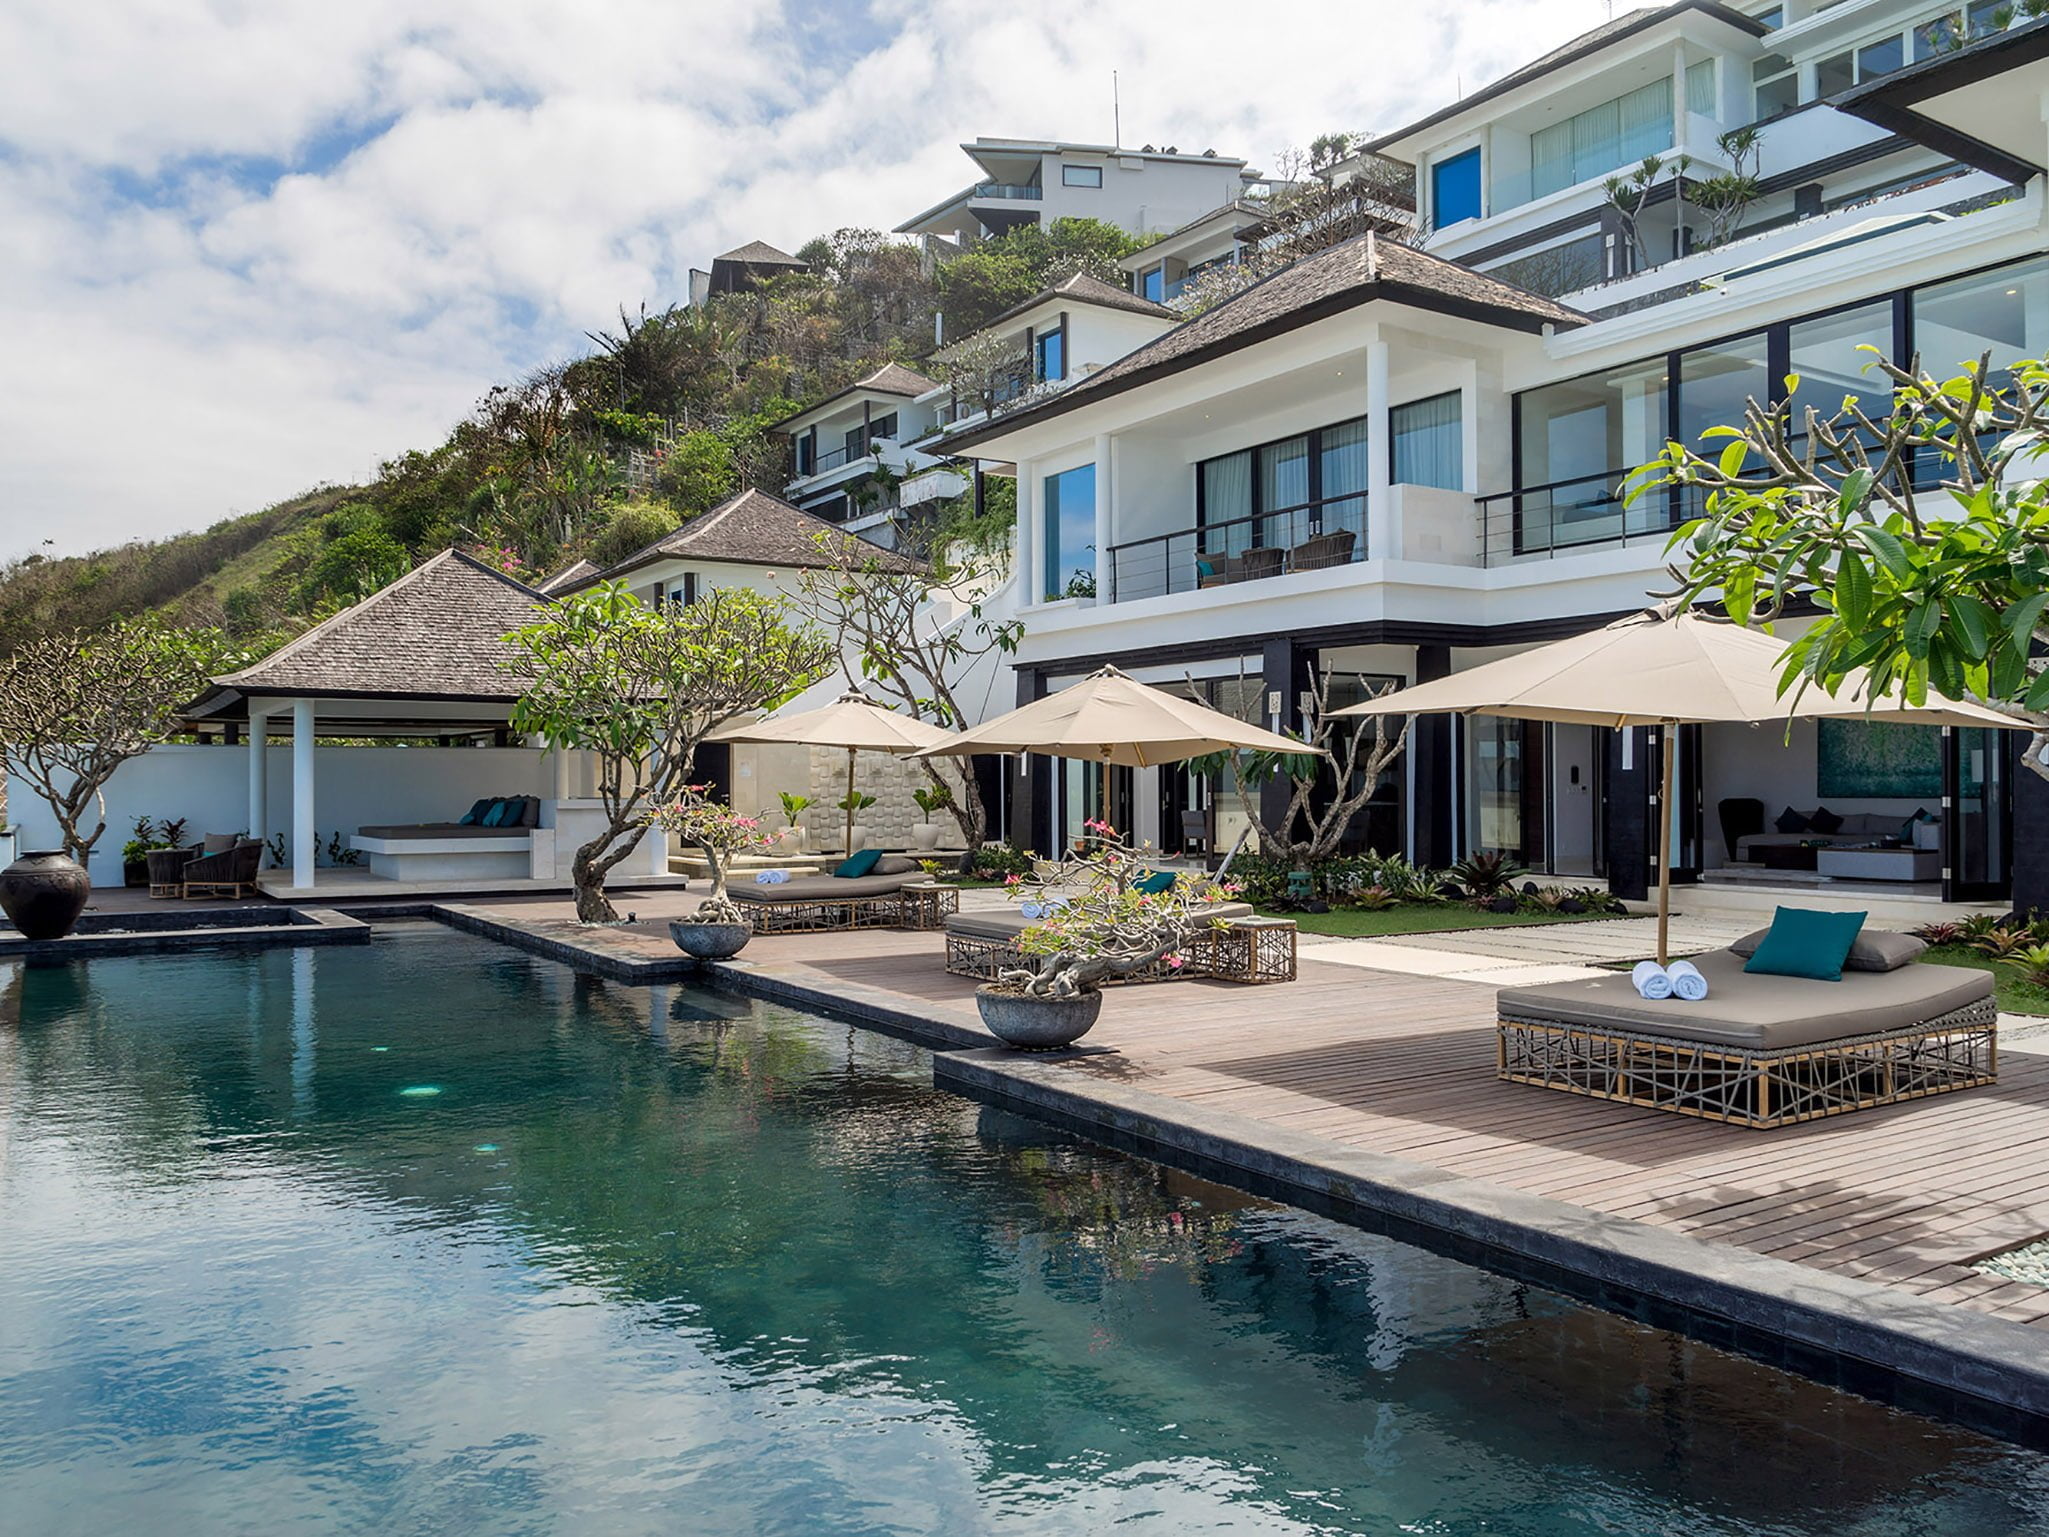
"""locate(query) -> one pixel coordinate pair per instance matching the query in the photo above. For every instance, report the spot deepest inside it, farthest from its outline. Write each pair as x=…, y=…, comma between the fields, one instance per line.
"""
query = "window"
x=1774, y=86
x=1984, y=17
x=1429, y=445
x=1835, y=73
x=684, y=595
x=853, y=443
x=1576, y=442
x=1455, y=189
x=1598, y=140
x=1773, y=19
x=1881, y=57
x=1945, y=34
x=1049, y=354
x=1071, y=533
x=1311, y=486
x=883, y=427
x=2004, y=312
x=1714, y=384
x=1823, y=354
x=1152, y=284
x=1700, y=88
x=807, y=452
x=1081, y=176
x=1225, y=487
x=1562, y=269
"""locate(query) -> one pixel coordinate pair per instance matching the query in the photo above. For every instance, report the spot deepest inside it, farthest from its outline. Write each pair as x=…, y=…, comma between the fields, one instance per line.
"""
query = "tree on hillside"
x=917, y=637
x=639, y=688
x=76, y=705
x=1921, y=530
x=995, y=275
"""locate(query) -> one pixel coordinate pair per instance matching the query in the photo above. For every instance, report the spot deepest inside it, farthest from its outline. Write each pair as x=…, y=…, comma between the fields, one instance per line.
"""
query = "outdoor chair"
x=1215, y=570
x=231, y=872
x=1255, y=565
x=1332, y=549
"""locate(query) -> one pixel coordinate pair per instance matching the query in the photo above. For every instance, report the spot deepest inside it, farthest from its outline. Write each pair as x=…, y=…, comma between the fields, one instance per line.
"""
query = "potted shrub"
x=791, y=839
x=852, y=804
x=1101, y=923
x=925, y=834
x=718, y=929
x=145, y=838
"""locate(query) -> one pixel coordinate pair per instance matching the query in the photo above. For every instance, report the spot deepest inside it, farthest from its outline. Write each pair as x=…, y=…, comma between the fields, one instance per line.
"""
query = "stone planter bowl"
x=925, y=836
x=710, y=941
x=43, y=892
x=1037, y=1024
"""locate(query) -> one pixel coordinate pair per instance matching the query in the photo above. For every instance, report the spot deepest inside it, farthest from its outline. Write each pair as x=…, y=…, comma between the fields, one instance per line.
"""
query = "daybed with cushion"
x=492, y=841
x=807, y=903
x=1760, y=1050
x=1247, y=949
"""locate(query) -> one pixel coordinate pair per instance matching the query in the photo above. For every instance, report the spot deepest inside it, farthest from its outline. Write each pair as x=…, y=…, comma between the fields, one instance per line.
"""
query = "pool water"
x=432, y=1236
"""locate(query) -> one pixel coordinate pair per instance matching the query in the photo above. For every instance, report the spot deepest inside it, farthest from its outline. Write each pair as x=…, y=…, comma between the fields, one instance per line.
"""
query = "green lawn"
x=1357, y=923
x=2017, y=995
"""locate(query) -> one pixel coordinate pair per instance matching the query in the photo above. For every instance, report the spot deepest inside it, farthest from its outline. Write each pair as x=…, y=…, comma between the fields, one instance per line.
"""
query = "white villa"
x=1403, y=460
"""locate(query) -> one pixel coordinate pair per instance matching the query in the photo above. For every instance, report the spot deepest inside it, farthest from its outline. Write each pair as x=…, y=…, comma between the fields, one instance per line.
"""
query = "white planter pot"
x=790, y=841
x=860, y=839
x=925, y=835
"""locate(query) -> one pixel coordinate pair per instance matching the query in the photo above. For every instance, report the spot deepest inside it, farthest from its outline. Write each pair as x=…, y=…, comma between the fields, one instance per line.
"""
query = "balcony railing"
x=1566, y=517
x=1009, y=190
x=1332, y=533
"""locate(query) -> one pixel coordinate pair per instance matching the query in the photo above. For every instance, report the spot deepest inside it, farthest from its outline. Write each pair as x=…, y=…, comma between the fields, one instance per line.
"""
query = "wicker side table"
x=926, y=904
x=1255, y=950
x=167, y=871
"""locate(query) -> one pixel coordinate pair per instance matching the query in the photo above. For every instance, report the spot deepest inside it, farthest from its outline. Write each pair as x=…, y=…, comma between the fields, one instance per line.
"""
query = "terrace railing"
x=1565, y=517
x=1009, y=190
x=1331, y=533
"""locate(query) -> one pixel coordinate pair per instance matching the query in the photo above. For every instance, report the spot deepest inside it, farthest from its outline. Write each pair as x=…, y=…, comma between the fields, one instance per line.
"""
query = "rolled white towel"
x=1031, y=909
x=766, y=877
x=1687, y=982
x=1652, y=980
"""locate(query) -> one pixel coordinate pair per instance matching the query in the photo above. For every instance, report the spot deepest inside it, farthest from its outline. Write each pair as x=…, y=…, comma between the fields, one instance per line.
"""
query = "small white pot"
x=790, y=841
x=860, y=837
x=925, y=836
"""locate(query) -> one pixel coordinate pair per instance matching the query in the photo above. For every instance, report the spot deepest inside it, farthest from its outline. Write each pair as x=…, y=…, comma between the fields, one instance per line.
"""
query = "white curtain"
x=1429, y=445
x=1227, y=496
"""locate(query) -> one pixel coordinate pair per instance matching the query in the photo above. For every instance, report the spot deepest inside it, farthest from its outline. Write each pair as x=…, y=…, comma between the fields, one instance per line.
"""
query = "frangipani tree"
x=639, y=688
x=1921, y=533
x=75, y=706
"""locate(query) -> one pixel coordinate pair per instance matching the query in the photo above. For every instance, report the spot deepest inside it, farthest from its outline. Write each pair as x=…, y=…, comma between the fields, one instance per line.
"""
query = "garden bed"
x=2017, y=995
x=1419, y=918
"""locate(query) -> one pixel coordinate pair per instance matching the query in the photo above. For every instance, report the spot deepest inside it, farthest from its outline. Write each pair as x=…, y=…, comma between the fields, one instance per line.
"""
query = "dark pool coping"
x=115, y=934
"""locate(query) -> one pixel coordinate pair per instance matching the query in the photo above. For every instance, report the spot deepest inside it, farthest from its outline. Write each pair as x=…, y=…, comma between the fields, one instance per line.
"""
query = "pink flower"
x=1175, y=963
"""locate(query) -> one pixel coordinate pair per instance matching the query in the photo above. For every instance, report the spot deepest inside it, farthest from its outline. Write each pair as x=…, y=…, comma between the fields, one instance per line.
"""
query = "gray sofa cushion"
x=896, y=864
x=1875, y=949
x=1008, y=923
x=817, y=888
x=1757, y=1013
x=439, y=830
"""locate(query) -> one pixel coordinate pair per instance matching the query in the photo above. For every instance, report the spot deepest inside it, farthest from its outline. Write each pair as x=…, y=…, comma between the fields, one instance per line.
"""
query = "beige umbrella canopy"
x=1655, y=670
x=854, y=722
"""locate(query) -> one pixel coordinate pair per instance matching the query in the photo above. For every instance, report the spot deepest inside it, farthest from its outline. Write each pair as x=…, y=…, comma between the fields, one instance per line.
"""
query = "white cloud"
x=255, y=246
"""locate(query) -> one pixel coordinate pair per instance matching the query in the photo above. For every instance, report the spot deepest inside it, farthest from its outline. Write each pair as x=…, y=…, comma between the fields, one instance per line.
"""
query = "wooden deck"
x=1907, y=1195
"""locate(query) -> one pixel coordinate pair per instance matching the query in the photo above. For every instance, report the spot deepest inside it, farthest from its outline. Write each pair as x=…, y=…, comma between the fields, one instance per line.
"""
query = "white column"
x=1382, y=542
x=302, y=793
x=1104, y=477
x=259, y=779
x=1031, y=580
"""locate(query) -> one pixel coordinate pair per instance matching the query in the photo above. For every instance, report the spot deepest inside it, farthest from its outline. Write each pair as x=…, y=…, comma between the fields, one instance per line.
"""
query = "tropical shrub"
x=1486, y=874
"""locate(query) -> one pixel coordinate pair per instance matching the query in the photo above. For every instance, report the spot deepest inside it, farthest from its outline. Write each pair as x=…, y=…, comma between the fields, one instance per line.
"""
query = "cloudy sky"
x=248, y=246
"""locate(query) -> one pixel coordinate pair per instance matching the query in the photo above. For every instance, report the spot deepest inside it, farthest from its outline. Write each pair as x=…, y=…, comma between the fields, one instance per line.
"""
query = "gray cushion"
x=1875, y=949
x=1008, y=923
x=530, y=813
x=438, y=830
x=1757, y=1013
x=815, y=888
x=896, y=864
x=217, y=843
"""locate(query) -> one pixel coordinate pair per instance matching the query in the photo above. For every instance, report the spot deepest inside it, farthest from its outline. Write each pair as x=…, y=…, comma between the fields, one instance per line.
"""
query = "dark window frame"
x=1067, y=175
x=1312, y=438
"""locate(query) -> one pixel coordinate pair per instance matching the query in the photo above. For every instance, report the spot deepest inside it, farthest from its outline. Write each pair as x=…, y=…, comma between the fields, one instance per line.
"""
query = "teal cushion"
x=861, y=864
x=474, y=817
x=1205, y=568
x=1155, y=882
x=1805, y=943
x=495, y=817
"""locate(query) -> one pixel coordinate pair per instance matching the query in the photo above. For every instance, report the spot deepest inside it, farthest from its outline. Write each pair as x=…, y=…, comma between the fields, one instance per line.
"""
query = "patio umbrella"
x=852, y=721
x=1112, y=718
x=1652, y=669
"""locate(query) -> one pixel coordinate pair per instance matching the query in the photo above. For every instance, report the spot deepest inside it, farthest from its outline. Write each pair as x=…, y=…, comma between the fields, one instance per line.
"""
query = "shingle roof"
x=889, y=379
x=755, y=529
x=1244, y=207
x=1080, y=288
x=759, y=253
x=1353, y=273
x=567, y=576
x=1593, y=41
x=438, y=632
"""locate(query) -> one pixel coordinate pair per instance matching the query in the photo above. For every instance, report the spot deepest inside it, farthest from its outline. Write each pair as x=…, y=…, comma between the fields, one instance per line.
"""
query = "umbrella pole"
x=1665, y=757
x=850, y=803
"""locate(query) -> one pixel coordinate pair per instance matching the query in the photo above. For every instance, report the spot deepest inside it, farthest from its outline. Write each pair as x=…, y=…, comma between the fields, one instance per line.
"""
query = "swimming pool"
x=430, y=1235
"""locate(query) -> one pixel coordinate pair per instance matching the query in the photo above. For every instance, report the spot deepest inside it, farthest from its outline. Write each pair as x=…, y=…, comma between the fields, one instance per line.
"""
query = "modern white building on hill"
x=1401, y=461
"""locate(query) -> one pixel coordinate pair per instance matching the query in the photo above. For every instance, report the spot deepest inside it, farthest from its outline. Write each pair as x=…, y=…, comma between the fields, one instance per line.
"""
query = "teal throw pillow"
x=495, y=817
x=1156, y=882
x=861, y=864
x=1805, y=943
x=474, y=817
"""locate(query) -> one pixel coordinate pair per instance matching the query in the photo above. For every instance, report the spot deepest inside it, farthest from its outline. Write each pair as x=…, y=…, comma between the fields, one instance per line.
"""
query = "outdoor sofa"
x=810, y=903
x=213, y=872
x=477, y=847
x=1854, y=829
x=1238, y=947
x=1759, y=1050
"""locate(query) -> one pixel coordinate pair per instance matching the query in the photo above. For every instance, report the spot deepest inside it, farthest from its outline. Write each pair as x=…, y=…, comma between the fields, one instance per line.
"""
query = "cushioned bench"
x=807, y=903
x=1249, y=949
x=1758, y=1050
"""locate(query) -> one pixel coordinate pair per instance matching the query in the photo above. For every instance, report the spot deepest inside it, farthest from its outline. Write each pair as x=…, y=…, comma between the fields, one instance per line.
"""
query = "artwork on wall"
x=1869, y=760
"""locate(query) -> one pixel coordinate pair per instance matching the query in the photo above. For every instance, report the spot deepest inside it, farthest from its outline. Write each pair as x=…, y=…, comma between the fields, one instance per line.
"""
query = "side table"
x=926, y=904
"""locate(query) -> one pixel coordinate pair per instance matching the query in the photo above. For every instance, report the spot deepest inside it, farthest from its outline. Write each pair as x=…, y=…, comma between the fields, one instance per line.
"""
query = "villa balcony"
x=1572, y=517
x=1241, y=550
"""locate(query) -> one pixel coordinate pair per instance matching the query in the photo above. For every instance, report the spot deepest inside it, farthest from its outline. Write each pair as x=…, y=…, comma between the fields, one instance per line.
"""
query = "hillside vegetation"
x=597, y=456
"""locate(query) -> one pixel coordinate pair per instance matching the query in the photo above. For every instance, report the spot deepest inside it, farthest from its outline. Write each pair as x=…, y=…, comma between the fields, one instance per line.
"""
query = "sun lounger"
x=1758, y=1051
x=1247, y=949
x=808, y=903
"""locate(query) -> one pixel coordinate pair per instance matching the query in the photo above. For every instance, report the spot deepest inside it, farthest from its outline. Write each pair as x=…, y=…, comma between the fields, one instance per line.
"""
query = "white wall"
x=209, y=787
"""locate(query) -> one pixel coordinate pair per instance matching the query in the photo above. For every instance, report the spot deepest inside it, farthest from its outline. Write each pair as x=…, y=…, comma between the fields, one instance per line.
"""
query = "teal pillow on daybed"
x=474, y=817
x=1805, y=943
x=861, y=864
x=495, y=817
x=1155, y=883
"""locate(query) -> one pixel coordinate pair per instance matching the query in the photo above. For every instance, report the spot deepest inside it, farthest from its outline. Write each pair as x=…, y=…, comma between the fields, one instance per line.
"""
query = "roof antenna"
x=1116, y=114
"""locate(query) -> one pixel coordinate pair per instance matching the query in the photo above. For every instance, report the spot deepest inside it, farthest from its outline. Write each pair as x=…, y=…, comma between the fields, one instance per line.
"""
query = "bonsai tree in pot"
x=1104, y=915
x=925, y=834
x=791, y=838
x=718, y=928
